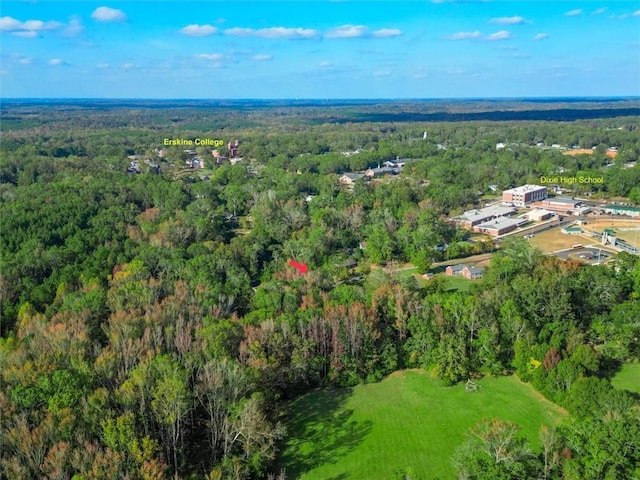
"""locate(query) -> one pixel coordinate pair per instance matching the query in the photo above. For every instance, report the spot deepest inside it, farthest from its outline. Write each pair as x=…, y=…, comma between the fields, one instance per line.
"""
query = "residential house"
x=452, y=270
x=350, y=178
x=380, y=171
x=472, y=273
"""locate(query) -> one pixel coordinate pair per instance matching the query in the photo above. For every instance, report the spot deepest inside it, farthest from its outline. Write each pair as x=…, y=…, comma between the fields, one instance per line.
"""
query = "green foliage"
x=378, y=429
x=140, y=323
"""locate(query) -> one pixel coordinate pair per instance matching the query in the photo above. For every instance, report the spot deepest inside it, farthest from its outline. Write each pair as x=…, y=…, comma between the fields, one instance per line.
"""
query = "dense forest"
x=153, y=328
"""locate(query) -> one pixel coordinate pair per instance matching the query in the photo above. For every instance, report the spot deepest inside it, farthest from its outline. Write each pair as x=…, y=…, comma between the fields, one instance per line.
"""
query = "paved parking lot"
x=591, y=255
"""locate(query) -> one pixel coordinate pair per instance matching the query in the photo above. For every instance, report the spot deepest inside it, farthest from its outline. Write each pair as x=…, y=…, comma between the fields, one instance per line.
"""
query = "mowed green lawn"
x=409, y=422
x=628, y=378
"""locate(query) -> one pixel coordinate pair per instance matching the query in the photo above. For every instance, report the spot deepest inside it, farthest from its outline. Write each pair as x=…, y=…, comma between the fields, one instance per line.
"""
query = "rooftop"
x=524, y=189
x=487, y=212
x=458, y=267
x=539, y=211
x=623, y=208
x=562, y=200
x=502, y=222
x=353, y=175
x=476, y=269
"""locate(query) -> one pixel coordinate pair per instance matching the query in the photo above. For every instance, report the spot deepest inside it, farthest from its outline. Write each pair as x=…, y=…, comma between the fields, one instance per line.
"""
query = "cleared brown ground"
x=588, y=151
x=554, y=239
x=579, y=151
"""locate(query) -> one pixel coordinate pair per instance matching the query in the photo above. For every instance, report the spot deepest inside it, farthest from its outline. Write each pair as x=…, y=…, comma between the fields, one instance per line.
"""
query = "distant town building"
x=381, y=171
x=233, y=148
x=524, y=195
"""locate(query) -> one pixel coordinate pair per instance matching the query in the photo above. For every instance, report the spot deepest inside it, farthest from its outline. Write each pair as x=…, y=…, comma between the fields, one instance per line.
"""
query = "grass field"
x=628, y=378
x=458, y=283
x=407, y=421
x=553, y=240
x=626, y=229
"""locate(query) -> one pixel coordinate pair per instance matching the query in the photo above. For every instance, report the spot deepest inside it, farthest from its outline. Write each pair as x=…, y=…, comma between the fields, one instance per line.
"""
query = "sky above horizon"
x=319, y=49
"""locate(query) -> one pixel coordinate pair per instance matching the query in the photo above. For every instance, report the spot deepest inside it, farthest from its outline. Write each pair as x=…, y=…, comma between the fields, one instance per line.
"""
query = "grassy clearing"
x=553, y=240
x=407, y=421
x=628, y=378
x=458, y=283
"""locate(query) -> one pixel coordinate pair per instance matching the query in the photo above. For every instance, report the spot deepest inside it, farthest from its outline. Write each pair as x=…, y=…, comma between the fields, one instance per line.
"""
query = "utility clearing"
x=409, y=423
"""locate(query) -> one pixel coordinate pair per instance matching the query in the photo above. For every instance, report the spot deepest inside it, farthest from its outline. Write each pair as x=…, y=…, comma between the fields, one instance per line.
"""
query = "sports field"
x=628, y=378
x=626, y=229
x=553, y=240
x=407, y=423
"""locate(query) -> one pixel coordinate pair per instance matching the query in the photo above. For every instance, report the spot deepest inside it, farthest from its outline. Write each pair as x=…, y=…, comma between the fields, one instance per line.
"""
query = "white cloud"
x=360, y=31
x=106, y=14
x=574, y=13
x=8, y=24
x=508, y=20
x=501, y=35
x=28, y=29
x=325, y=64
x=382, y=73
x=127, y=66
x=387, y=33
x=56, y=61
x=599, y=11
x=273, y=32
x=24, y=61
x=102, y=65
x=25, y=34
x=38, y=25
x=636, y=13
x=347, y=31
x=74, y=27
x=239, y=32
x=210, y=56
x=541, y=36
x=198, y=30
x=262, y=57
x=464, y=35
x=282, y=32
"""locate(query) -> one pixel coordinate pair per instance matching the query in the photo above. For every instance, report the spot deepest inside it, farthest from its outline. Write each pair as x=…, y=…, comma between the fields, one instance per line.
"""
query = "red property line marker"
x=301, y=267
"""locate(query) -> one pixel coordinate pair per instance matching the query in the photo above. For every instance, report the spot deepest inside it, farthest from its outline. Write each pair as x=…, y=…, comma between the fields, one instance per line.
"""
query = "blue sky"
x=319, y=49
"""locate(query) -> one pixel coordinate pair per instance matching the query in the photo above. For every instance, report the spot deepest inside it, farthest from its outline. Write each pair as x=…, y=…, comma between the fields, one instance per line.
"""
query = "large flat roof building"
x=539, y=215
x=524, y=195
x=499, y=226
x=471, y=218
x=559, y=204
x=622, y=210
